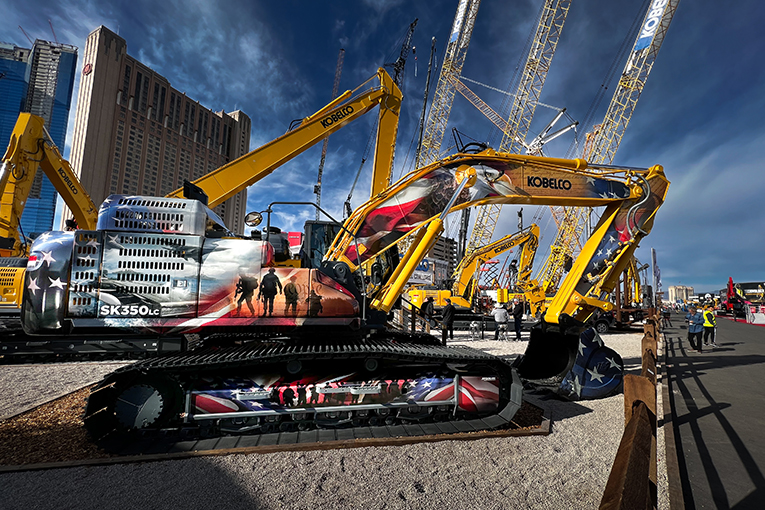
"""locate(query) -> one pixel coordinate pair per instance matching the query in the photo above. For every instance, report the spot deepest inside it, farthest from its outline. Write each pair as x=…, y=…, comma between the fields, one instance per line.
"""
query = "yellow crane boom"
x=231, y=178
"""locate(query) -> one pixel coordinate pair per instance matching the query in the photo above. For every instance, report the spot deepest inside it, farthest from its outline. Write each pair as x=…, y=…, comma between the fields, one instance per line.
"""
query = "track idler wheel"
x=117, y=411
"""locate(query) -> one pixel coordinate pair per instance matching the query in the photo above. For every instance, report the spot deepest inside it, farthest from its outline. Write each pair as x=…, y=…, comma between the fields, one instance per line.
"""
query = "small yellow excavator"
x=465, y=276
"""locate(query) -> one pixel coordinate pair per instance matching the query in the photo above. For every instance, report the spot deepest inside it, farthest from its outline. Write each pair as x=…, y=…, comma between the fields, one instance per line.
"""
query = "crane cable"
x=347, y=206
x=618, y=58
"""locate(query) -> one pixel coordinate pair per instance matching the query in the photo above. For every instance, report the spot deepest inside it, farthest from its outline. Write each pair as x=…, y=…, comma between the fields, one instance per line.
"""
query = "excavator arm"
x=608, y=252
x=230, y=179
x=411, y=205
x=563, y=354
x=31, y=148
x=465, y=279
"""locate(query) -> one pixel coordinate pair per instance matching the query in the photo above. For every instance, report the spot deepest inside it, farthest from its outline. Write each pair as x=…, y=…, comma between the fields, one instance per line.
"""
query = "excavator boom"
x=230, y=179
x=31, y=148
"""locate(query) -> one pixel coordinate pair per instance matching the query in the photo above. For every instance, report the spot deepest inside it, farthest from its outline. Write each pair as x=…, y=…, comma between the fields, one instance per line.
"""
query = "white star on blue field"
x=698, y=116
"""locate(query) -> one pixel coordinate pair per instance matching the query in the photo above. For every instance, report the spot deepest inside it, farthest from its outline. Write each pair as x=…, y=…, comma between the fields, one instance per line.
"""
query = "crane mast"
x=451, y=68
x=335, y=88
x=443, y=98
x=633, y=79
x=601, y=145
x=400, y=63
x=532, y=80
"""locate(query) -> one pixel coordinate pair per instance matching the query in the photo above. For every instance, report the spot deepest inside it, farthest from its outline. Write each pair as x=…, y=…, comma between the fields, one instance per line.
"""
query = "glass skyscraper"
x=14, y=79
x=39, y=81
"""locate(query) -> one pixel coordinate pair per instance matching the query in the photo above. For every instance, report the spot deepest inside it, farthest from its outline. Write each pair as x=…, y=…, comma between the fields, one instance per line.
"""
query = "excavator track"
x=18, y=347
x=179, y=397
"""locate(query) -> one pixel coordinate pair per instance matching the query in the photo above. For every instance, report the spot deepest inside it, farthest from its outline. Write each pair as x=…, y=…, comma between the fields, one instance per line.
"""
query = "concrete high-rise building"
x=135, y=134
x=40, y=81
x=445, y=249
x=679, y=293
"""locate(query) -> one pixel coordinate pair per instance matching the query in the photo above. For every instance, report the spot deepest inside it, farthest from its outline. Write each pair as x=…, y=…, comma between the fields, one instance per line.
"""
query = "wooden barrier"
x=632, y=482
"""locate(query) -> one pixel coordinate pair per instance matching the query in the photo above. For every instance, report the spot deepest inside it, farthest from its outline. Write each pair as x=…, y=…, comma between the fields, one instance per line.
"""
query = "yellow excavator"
x=314, y=351
x=379, y=90
x=465, y=277
x=31, y=148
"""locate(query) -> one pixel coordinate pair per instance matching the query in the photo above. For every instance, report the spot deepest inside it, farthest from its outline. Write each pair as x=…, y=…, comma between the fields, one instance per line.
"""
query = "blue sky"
x=699, y=115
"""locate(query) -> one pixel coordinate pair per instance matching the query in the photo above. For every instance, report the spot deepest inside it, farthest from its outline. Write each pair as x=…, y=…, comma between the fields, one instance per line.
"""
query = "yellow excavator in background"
x=31, y=148
x=465, y=285
x=231, y=178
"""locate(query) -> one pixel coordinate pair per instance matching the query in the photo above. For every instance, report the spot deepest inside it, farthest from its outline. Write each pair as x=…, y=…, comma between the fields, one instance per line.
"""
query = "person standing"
x=517, y=317
x=268, y=290
x=246, y=287
x=301, y=395
x=695, y=328
x=314, y=304
x=710, y=323
x=447, y=324
x=665, y=318
x=427, y=313
x=501, y=318
x=291, y=296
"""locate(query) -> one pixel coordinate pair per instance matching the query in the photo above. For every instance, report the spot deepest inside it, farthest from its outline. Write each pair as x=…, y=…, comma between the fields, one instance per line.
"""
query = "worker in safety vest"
x=710, y=324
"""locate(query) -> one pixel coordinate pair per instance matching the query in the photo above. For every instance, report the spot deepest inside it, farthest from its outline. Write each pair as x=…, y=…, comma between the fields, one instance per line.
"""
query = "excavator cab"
x=317, y=240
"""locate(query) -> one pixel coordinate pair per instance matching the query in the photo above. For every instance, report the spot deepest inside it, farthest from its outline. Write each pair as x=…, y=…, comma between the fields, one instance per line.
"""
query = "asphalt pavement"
x=718, y=415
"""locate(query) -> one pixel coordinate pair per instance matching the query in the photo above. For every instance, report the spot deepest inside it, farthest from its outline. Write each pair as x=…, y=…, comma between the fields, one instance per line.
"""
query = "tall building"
x=445, y=249
x=40, y=81
x=679, y=293
x=135, y=134
x=14, y=64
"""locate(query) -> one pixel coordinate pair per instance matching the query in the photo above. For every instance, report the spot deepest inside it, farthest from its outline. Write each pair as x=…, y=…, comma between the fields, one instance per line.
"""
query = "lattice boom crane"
x=335, y=88
x=451, y=68
x=603, y=142
x=532, y=80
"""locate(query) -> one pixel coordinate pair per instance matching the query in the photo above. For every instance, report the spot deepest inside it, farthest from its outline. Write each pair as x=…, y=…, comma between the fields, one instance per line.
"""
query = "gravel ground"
x=567, y=469
x=23, y=387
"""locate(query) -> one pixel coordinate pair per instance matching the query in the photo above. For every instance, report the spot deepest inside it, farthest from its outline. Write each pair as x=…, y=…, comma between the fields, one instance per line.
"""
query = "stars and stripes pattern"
x=478, y=394
x=44, y=265
x=475, y=394
x=597, y=370
x=432, y=389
